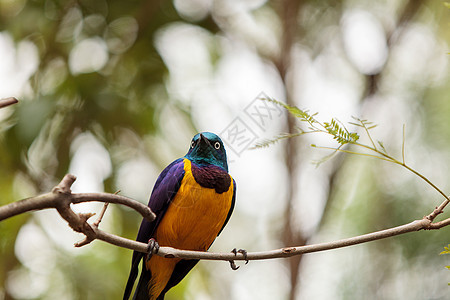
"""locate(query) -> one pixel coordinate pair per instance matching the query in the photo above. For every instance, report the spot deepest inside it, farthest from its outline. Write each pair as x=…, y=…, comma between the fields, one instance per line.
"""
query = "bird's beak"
x=204, y=140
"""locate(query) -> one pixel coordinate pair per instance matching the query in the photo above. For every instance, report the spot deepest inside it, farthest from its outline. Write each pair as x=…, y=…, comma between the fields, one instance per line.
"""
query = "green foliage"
x=344, y=137
x=446, y=251
x=335, y=128
x=340, y=133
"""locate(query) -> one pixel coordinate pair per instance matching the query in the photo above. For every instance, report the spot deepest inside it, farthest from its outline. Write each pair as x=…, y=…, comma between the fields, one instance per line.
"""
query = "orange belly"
x=192, y=222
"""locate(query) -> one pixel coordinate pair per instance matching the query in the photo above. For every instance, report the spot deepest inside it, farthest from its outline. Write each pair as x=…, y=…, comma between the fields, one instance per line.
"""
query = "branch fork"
x=61, y=197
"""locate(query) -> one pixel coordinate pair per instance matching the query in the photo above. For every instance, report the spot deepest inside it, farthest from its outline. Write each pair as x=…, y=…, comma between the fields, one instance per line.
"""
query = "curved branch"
x=61, y=198
x=170, y=252
x=113, y=198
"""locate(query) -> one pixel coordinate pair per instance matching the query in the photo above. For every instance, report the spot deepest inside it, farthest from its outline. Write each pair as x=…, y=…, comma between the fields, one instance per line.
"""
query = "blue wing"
x=165, y=189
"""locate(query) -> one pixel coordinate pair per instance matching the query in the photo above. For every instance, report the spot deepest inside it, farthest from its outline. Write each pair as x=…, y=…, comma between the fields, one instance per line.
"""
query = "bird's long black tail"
x=137, y=257
x=142, y=289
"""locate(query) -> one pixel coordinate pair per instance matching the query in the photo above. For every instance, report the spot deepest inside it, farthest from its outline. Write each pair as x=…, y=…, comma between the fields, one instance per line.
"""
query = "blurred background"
x=113, y=91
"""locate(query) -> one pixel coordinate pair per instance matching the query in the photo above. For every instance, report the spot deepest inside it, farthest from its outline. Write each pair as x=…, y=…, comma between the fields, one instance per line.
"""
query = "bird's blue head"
x=207, y=148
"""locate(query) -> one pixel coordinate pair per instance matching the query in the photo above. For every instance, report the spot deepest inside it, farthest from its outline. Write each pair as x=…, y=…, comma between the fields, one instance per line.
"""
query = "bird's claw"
x=235, y=251
x=152, y=248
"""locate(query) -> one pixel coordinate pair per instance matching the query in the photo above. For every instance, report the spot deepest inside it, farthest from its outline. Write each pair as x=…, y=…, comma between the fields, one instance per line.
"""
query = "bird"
x=193, y=199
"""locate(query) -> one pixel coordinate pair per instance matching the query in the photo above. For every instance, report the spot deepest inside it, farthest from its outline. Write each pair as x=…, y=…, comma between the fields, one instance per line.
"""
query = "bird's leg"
x=243, y=252
x=152, y=247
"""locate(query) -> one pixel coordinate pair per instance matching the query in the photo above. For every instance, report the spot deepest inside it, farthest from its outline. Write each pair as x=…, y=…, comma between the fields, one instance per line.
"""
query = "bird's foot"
x=152, y=248
x=243, y=252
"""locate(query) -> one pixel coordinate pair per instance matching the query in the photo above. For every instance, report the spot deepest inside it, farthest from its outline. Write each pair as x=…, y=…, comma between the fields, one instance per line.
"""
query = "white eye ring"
x=192, y=144
x=217, y=145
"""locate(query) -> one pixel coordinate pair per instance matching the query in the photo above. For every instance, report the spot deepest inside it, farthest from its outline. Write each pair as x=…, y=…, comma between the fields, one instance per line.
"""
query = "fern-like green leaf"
x=340, y=133
x=446, y=250
x=267, y=142
x=303, y=115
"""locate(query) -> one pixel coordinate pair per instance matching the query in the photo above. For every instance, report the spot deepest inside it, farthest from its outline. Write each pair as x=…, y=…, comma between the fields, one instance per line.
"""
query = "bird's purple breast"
x=212, y=177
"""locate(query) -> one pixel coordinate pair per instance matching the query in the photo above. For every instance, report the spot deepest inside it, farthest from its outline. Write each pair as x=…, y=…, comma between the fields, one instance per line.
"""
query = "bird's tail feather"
x=142, y=289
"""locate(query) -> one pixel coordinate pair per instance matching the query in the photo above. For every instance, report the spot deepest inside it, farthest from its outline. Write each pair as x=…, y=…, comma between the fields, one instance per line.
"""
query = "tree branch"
x=61, y=197
x=293, y=251
x=7, y=101
x=169, y=252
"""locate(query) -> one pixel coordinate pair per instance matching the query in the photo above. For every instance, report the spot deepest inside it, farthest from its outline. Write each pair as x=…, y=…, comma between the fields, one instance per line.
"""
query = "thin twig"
x=352, y=152
x=102, y=213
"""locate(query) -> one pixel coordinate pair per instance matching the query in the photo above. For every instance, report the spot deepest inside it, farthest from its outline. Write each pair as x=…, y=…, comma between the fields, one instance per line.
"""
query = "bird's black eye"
x=217, y=145
x=192, y=144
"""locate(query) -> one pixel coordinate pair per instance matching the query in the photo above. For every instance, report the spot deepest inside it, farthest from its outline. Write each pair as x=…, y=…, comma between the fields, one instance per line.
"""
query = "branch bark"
x=61, y=197
x=293, y=251
x=169, y=252
x=7, y=101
